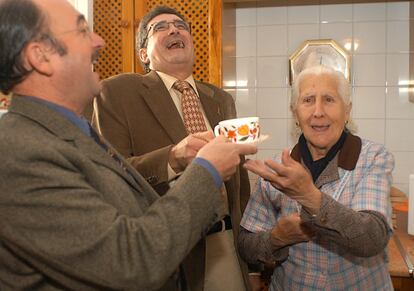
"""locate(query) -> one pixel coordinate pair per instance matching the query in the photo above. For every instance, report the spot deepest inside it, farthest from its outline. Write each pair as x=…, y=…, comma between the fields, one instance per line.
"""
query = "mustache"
x=95, y=56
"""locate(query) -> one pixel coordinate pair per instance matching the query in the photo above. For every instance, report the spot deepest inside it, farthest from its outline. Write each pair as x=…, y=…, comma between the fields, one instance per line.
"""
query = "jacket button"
x=152, y=180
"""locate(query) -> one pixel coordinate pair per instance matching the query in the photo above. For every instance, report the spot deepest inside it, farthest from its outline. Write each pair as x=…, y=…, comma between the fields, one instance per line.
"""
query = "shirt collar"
x=78, y=121
x=347, y=156
x=170, y=80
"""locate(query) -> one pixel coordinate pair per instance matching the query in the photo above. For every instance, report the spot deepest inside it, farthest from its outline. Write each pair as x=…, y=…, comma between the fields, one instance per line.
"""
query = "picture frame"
x=320, y=51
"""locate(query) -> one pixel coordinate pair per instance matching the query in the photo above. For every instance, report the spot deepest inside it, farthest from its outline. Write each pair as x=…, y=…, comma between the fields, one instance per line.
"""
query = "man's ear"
x=37, y=58
x=142, y=53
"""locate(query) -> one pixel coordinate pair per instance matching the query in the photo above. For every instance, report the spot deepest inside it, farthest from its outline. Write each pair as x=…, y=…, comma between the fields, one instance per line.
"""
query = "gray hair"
x=344, y=91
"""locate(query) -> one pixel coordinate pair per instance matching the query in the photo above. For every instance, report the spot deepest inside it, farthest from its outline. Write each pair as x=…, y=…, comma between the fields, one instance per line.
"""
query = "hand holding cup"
x=224, y=155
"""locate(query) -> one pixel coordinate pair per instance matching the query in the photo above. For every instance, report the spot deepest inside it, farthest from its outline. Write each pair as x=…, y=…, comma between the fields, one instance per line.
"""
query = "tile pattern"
x=376, y=35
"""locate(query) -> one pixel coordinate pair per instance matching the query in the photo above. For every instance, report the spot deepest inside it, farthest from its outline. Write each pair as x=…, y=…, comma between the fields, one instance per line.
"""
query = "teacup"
x=239, y=130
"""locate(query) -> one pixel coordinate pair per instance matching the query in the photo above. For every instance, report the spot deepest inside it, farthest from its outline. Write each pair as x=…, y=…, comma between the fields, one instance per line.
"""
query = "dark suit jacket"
x=72, y=218
x=137, y=115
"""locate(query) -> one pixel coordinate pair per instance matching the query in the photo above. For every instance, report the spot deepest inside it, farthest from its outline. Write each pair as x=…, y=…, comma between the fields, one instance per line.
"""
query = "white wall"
x=265, y=38
x=84, y=7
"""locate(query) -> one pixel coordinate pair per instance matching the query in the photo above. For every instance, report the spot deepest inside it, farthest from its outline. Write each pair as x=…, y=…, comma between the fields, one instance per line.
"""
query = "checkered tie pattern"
x=192, y=116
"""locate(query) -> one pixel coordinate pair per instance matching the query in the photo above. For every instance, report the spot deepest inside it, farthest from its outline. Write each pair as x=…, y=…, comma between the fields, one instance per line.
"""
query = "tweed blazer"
x=72, y=218
x=138, y=116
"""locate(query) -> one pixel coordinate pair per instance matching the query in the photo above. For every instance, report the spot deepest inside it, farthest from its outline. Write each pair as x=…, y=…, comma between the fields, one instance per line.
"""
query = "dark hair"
x=21, y=22
x=142, y=33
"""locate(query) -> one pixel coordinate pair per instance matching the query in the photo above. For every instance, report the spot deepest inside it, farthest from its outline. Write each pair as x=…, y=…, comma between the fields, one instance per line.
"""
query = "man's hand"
x=224, y=155
x=291, y=178
x=289, y=230
x=185, y=151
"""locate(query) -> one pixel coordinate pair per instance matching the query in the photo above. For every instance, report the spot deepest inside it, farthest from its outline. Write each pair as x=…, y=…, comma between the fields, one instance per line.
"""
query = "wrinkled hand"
x=224, y=155
x=256, y=283
x=185, y=151
x=289, y=230
x=290, y=177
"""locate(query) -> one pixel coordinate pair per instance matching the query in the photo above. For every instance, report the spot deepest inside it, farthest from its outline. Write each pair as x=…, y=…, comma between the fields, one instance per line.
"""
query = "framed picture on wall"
x=320, y=52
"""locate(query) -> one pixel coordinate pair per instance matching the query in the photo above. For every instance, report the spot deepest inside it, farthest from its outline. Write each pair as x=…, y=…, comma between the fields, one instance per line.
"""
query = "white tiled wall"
x=266, y=36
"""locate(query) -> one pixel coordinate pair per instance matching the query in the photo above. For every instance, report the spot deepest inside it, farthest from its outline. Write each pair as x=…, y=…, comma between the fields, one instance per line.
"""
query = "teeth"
x=178, y=43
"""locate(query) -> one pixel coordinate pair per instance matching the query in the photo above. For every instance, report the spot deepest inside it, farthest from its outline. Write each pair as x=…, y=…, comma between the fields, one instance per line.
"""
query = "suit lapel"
x=211, y=106
x=160, y=103
x=70, y=133
x=99, y=155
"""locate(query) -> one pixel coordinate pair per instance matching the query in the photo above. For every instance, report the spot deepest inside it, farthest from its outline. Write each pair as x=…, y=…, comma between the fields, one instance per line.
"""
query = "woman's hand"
x=256, y=283
x=290, y=177
x=289, y=230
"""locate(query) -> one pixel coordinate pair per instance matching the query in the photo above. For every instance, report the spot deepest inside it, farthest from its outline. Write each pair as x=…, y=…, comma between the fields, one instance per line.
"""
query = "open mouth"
x=320, y=127
x=175, y=44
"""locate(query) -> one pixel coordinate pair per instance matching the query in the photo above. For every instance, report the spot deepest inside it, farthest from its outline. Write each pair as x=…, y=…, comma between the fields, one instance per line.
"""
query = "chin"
x=320, y=142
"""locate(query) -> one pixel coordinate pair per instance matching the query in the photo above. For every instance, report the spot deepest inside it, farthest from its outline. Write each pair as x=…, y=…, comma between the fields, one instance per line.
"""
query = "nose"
x=172, y=29
x=319, y=108
x=97, y=40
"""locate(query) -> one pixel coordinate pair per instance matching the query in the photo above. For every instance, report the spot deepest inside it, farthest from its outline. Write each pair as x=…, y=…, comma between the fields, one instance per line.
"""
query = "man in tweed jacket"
x=73, y=217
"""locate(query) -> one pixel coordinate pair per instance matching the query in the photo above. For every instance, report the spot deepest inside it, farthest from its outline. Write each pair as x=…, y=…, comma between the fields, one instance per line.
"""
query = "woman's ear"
x=348, y=109
x=37, y=58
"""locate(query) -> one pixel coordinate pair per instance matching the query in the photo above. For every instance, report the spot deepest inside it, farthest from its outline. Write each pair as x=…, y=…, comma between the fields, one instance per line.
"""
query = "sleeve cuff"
x=171, y=173
x=211, y=169
x=321, y=218
x=255, y=274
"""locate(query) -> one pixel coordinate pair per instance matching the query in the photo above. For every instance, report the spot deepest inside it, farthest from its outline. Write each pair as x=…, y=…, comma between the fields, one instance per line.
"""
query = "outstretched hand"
x=290, y=177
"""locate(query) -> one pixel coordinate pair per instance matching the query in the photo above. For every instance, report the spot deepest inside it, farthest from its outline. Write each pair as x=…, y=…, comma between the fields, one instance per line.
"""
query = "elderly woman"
x=322, y=214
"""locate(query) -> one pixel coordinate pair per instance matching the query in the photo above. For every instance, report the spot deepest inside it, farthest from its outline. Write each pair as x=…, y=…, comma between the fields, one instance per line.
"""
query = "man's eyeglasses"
x=165, y=25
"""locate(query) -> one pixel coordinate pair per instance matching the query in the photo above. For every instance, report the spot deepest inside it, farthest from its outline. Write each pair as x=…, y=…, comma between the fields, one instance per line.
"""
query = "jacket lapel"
x=160, y=103
x=99, y=155
x=70, y=133
x=211, y=106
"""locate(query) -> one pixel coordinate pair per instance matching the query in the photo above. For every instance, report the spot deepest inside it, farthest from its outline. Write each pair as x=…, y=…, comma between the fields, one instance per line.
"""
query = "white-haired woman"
x=321, y=213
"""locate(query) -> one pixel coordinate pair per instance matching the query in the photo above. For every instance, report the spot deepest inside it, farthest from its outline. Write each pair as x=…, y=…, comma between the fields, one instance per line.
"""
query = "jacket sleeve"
x=256, y=248
x=364, y=228
x=80, y=223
